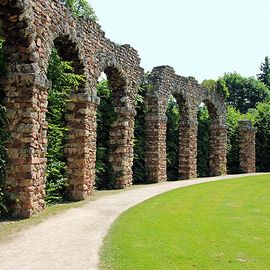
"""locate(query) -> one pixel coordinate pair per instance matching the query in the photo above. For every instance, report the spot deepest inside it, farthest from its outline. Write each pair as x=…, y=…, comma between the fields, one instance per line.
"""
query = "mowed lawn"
x=219, y=225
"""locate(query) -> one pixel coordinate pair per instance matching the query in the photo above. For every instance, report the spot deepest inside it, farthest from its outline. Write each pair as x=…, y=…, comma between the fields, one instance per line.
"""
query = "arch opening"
x=104, y=178
x=4, y=196
x=65, y=73
x=112, y=152
x=203, y=140
x=139, y=166
x=211, y=141
x=172, y=137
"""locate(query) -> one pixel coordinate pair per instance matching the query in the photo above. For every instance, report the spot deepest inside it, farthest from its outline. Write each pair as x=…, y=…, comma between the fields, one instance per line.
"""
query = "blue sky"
x=200, y=38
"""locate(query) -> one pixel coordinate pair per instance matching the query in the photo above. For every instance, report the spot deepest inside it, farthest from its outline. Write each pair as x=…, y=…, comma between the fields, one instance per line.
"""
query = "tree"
x=81, y=8
x=264, y=76
x=261, y=118
x=218, y=86
x=245, y=93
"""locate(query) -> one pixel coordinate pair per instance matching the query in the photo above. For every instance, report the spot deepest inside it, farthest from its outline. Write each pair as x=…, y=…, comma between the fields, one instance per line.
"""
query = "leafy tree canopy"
x=261, y=118
x=81, y=8
x=219, y=86
x=264, y=76
x=245, y=93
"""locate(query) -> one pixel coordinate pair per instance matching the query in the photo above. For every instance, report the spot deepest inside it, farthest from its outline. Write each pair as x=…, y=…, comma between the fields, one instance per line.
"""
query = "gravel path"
x=72, y=240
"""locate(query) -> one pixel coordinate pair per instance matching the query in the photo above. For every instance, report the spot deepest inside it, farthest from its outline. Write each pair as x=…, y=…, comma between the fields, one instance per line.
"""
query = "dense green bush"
x=172, y=138
x=203, y=143
x=3, y=157
x=261, y=118
x=2, y=55
x=3, y=134
x=63, y=79
x=218, y=86
x=233, y=116
x=139, y=169
x=105, y=177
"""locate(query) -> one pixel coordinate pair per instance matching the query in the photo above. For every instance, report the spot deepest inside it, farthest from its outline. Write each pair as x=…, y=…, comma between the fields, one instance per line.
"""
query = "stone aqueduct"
x=31, y=29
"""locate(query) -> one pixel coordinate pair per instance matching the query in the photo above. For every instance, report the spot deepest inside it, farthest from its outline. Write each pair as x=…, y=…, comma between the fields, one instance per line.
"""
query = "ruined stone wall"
x=31, y=29
x=247, y=141
x=189, y=95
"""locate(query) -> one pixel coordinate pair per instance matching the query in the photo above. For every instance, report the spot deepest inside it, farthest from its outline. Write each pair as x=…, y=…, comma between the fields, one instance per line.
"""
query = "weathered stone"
x=247, y=140
x=163, y=82
x=31, y=29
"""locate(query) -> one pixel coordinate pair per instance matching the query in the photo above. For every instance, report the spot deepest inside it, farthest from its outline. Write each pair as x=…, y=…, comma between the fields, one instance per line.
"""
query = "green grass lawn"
x=219, y=225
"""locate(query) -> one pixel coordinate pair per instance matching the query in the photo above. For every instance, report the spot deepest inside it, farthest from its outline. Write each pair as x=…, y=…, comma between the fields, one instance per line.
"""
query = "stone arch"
x=122, y=130
x=218, y=130
x=69, y=51
x=80, y=119
x=25, y=89
x=32, y=27
x=163, y=83
x=117, y=77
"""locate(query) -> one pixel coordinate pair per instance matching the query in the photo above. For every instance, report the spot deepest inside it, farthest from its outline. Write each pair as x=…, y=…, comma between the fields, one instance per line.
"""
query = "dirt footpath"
x=72, y=240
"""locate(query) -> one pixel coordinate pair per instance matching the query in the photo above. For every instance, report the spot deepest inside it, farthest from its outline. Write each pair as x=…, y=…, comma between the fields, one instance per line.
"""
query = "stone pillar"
x=121, y=146
x=26, y=102
x=155, y=155
x=81, y=146
x=218, y=150
x=188, y=149
x=247, y=144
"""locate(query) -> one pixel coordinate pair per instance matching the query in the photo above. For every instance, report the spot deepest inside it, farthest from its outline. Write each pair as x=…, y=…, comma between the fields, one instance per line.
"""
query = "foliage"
x=245, y=93
x=60, y=73
x=81, y=8
x=204, y=126
x=3, y=136
x=139, y=169
x=233, y=164
x=261, y=117
x=222, y=88
x=208, y=226
x=3, y=157
x=2, y=55
x=172, y=138
x=219, y=86
x=105, y=178
x=210, y=85
x=264, y=76
x=203, y=142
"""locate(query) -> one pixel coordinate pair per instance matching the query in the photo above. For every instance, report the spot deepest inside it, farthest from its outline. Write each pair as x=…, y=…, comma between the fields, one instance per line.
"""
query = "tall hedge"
x=3, y=133
x=172, y=138
x=261, y=118
x=203, y=144
x=139, y=169
x=64, y=81
x=105, y=177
